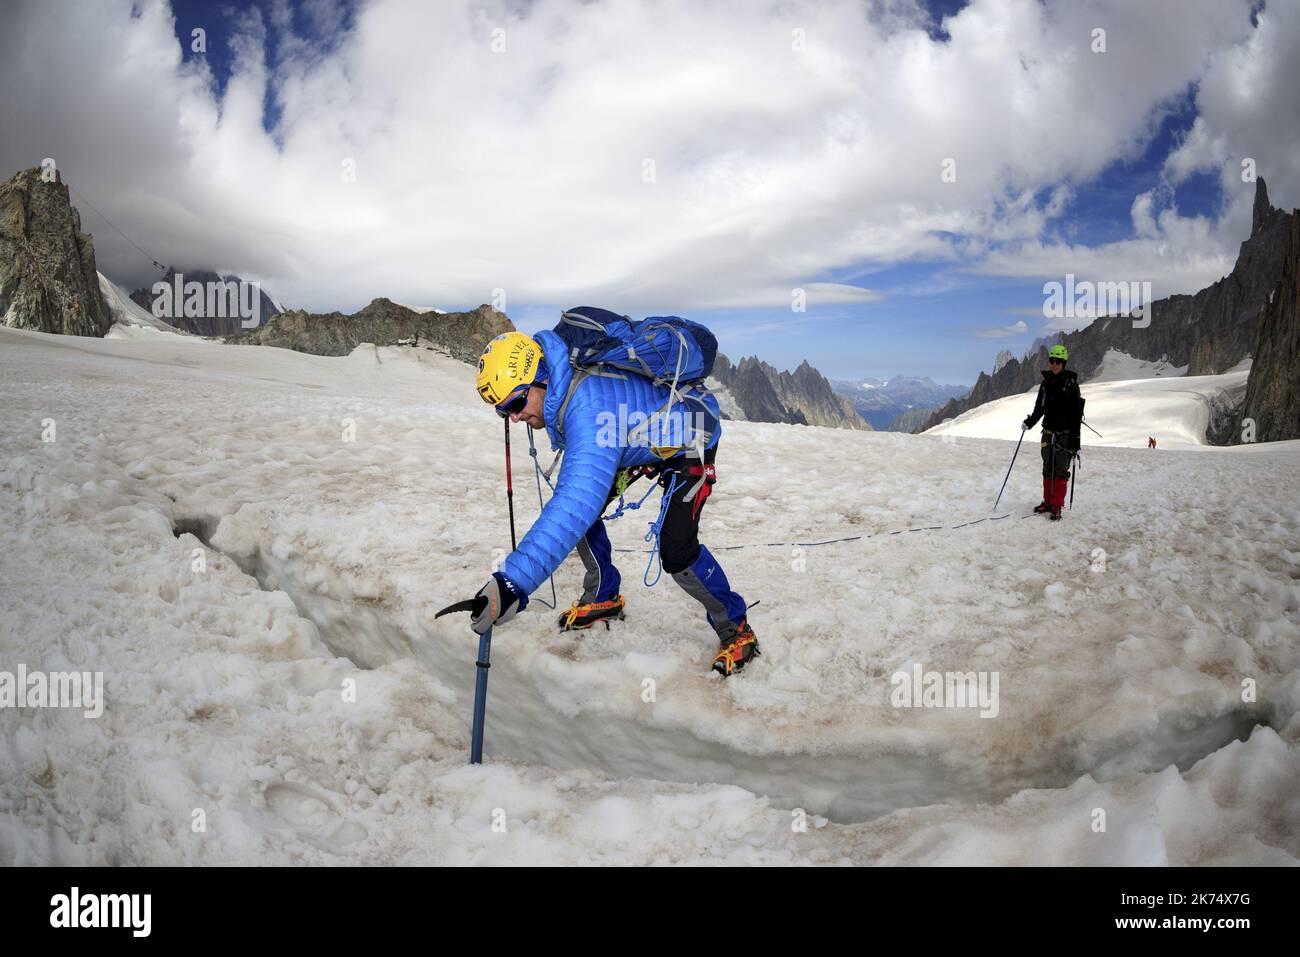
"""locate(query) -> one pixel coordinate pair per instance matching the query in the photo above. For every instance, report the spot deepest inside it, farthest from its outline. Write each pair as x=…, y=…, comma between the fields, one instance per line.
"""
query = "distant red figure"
x=1151, y=443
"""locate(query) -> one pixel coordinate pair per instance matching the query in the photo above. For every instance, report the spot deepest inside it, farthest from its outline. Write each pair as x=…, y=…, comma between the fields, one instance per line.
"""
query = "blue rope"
x=537, y=469
x=630, y=505
x=532, y=450
x=655, y=527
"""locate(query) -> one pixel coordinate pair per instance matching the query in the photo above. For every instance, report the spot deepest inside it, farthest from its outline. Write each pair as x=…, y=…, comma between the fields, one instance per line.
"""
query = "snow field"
x=327, y=558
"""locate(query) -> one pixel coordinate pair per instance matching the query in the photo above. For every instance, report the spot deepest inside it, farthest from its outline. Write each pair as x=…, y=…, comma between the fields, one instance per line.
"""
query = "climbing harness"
x=708, y=474
x=656, y=527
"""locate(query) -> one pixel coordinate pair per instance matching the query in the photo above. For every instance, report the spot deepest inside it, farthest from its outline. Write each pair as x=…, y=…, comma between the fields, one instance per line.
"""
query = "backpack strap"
x=580, y=373
x=582, y=321
x=685, y=394
x=675, y=394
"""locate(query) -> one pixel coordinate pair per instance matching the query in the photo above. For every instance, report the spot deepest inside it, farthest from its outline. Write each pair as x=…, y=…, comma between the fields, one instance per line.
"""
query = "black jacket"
x=1060, y=406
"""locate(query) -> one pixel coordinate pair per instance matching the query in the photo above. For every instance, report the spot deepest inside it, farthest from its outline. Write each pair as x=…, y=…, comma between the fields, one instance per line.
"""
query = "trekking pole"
x=1092, y=430
x=472, y=606
x=1009, y=468
x=510, y=489
x=1074, y=477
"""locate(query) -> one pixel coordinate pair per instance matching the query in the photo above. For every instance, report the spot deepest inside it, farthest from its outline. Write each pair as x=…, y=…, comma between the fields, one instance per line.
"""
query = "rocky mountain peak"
x=48, y=278
x=898, y=399
x=1272, y=400
x=384, y=323
x=199, y=315
x=1261, y=209
x=803, y=397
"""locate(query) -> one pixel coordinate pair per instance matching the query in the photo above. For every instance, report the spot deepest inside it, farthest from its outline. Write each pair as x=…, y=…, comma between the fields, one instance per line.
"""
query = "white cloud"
x=1174, y=253
x=1246, y=101
x=526, y=169
x=1018, y=328
x=1081, y=316
x=1142, y=213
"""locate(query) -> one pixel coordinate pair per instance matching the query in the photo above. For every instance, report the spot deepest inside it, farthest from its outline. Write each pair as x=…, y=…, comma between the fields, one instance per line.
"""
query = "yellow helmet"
x=510, y=360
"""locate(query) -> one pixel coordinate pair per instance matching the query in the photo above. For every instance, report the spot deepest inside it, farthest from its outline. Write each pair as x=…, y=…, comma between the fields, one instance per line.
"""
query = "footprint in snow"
x=312, y=814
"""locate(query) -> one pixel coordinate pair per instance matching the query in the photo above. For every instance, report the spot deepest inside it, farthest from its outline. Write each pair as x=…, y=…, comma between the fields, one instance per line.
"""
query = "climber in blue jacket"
x=595, y=422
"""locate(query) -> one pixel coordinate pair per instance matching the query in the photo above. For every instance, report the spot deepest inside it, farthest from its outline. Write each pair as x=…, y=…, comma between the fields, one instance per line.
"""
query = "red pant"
x=1054, y=490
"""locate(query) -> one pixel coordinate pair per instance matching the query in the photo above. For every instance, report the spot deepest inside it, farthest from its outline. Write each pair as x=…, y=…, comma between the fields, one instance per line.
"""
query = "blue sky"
x=505, y=145
x=219, y=20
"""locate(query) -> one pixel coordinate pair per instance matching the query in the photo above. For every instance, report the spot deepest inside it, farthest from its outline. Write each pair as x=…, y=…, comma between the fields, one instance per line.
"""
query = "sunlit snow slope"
x=1172, y=409
x=250, y=544
x=127, y=314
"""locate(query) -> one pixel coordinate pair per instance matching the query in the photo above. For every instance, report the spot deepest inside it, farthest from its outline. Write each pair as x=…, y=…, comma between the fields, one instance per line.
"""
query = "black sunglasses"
x=513, y=405
x=1056, y=362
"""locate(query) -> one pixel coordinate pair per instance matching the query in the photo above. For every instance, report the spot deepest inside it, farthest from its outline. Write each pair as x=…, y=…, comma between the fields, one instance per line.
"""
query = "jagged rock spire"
x=48, y=276
x=1261, y=209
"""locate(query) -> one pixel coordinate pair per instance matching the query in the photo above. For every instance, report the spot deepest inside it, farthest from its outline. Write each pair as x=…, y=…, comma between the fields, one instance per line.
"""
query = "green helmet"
x=1058, y=352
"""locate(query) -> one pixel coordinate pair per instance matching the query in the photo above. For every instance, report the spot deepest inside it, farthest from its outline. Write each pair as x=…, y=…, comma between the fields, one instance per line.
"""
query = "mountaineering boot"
x=737, y=650
x=584, y=616
x=1056, y=513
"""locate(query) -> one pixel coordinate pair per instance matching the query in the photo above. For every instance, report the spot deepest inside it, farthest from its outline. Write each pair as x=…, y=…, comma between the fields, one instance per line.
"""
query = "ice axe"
x=475, y=605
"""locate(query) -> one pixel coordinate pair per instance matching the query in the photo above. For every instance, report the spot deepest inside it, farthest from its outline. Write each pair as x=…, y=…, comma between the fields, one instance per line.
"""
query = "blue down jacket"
x=593, y=436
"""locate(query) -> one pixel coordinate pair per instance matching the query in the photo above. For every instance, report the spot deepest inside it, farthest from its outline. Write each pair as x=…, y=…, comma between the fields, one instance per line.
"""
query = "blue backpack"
x=667, y=350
